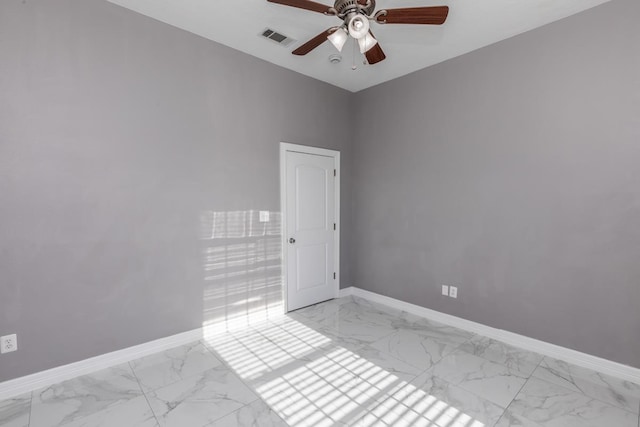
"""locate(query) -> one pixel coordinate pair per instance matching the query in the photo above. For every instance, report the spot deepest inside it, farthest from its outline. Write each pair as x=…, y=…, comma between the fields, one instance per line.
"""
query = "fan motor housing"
x=344, y=7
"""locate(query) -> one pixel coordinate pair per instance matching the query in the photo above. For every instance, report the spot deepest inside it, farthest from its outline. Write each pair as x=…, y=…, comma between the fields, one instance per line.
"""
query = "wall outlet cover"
x=453, y=292
x=445, y=290
x=8, y=343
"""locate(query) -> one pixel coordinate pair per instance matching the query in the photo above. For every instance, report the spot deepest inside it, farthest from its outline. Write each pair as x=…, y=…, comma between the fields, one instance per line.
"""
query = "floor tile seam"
x=515, y=396
x=181, y=376
x=398, y=359
x=393, y=370
x=575, y=378
x=112, y=406
x=305, y=363
x=259, y=397
x=354, y=314
x=338, y=333
x=560, y=374
x=224, y=362
x=280, y=346
x=583, y=393
x=583, y=373
x=384, y=324
x=422, y=415
x=525, y=375
x=453, y=349
x=473, y=393
x=536, y=368
x=249, y=387
x=438, y=340
x=253, y=392
x=209, y=348
x=318, y=352
x=384, y=395
x=512, y=371
x=234, y=411
x=361, y=356
x=499, y=419
x=464, y=387
x=370, y=384
x=335, y=388
x=228, y=367
x=609, y=404
x=449, y=383
x=265, y=404
x=154, y=389
x=458, y=348
x=31, y=408
x=510, y=411
x=144, y=394
x=314, y=323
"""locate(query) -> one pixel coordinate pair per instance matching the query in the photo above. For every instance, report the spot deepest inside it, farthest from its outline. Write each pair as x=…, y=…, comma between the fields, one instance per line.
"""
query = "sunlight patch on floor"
x=310, y=381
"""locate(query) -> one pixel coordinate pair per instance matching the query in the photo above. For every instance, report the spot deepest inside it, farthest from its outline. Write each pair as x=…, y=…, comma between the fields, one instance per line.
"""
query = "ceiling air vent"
x=275, y=36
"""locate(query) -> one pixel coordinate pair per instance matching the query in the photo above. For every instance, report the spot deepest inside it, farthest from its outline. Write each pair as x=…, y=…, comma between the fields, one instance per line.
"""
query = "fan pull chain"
x=353, y=66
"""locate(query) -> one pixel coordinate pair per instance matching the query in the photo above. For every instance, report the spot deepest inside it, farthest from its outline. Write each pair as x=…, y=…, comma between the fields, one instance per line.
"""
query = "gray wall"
x=514, y=173
x=134, y=158
x=122, y=139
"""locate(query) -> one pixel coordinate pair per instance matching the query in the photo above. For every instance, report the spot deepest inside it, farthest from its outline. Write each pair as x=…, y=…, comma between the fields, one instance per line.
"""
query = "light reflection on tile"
x=347, y=362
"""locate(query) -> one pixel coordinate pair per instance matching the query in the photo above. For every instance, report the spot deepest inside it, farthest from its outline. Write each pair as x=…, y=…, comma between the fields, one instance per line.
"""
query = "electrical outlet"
x=445, y=290
x=453, y=292
x=8, y=343
x=264, y=216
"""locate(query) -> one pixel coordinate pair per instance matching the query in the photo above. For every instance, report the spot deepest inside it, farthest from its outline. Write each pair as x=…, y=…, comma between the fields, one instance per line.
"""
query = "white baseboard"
x=46, y=378
x=546, y=349
x=346, y=292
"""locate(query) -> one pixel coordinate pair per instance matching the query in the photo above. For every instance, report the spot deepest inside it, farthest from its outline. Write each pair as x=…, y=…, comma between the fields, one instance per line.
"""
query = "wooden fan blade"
x=304, y=4
x=313, y=43
x=375, y=54
x=435, y=15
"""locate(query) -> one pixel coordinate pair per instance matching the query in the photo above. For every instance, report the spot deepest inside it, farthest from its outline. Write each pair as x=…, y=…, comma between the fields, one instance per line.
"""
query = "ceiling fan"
x=355, y=16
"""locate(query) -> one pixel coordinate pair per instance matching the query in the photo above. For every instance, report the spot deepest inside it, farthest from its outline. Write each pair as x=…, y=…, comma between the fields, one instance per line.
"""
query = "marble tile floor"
x=345, y=362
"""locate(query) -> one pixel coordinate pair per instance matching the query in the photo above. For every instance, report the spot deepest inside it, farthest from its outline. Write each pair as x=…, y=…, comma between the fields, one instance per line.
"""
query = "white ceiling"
x=472, y=24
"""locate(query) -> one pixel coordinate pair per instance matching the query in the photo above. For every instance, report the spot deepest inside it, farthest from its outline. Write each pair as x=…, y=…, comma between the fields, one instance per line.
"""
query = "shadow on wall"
x=242, y=269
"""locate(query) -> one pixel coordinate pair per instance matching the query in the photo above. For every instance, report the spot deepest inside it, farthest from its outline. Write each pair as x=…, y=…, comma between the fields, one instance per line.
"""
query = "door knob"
x=292, y=240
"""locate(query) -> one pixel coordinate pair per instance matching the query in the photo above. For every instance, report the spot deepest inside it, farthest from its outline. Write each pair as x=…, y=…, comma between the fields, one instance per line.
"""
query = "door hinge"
x=334, y=225
x=334, y=276
x=335, y=173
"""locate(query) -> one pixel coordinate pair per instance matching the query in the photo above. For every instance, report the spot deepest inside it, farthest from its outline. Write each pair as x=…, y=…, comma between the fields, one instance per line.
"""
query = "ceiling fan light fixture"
x=366, y=43
x=338, y=38
x=358, y=26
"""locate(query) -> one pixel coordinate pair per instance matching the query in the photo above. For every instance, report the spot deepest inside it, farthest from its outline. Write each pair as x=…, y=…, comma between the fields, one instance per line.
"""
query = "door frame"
x=288, y=147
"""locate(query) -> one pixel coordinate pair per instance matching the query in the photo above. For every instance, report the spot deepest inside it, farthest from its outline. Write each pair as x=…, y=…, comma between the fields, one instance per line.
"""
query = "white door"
x=310, y=228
